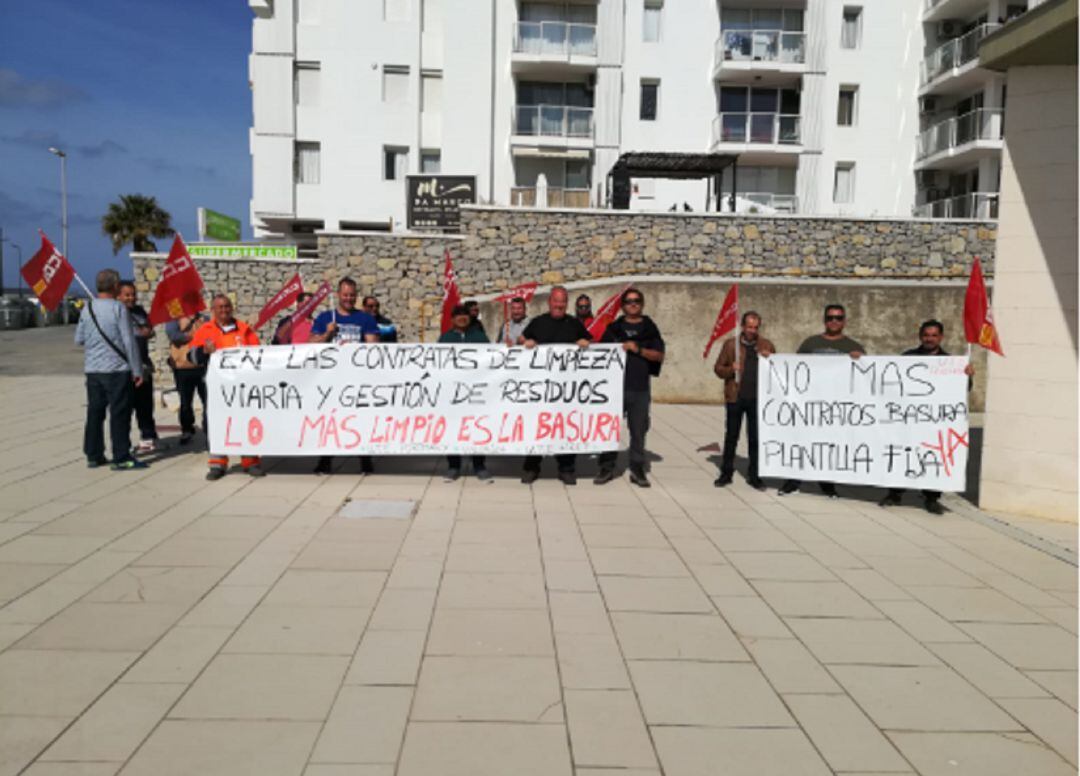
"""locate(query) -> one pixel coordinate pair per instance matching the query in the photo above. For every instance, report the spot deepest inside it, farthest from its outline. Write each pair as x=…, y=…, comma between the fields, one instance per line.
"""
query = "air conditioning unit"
x=928, y=105
x=948, y=29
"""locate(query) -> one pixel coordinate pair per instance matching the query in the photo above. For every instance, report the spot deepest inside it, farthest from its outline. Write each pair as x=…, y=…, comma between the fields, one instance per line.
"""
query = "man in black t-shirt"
x=554, y=327
x=644, y=346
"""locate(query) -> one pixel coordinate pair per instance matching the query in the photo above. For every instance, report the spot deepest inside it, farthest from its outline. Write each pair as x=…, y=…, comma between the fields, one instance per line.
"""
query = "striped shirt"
x=116, y=324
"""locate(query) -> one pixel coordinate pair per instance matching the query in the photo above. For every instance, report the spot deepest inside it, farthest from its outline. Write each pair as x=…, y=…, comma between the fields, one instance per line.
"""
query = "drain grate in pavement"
x=368, y=509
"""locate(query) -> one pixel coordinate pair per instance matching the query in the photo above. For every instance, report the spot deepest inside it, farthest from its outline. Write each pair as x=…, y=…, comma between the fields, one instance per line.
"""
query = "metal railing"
x=525, y=196
x=955, y=53
x=979, y=124
x=979, y=204
x=770, y=128
x=761, y=46
x=749, y=201
x=553, y=121
x=555, y=39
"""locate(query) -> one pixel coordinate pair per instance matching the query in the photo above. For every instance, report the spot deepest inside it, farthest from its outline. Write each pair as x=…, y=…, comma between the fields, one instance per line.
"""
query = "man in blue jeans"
x=113, y=370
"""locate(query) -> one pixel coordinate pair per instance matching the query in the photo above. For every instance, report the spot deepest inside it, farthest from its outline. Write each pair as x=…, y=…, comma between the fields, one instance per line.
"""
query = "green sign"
x=218, y=226
x=215, y=251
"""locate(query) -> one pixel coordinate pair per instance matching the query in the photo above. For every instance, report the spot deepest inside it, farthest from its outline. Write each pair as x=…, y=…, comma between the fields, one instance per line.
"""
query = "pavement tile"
x=492, y=591
x=180, y=551
x=786, y=566
x=876, y=642
x=157, y=584
x=498, y=532
x=263, y=687
x=843, y=735
x=977, y=604
x=570, y=575
x=645, y=636
x=226, y=606
x=721, y=579
x=707, y=694
x=697, y=550
x=179, y=656
x=329, y=555
x=1027, y=646
x=921, y=698
x=480, y=749
x=654, y=594
x=789, y=666
x=99, y=626
x=751, y=617
x=872, y=586
x=1063, y=684
x=387, y=657
x=366, y=725
x=613, y=536
x=1049, y=719
x=400, y=609
x=17, y=578
x=751, y=540
x=987, y=671
x=70, y=769
x=415, y=574
x=607, y=729
x=305, y=587
x=488, y=689
x=522, y=632
x=349, y=769
x=305, y=630
x=815, y=599
x=51, y=683
x=697, y=751
x=590, y=661
x=980, y=754
x=224, y=748
x=493, y=558
x=112, y=729
x=638, y=562
x=922, y=571
x=49, y=550
x=23, y=738
x=922, y=622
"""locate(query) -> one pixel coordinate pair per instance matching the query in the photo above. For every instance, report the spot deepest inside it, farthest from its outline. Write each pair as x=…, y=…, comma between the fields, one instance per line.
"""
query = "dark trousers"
x=735, y=412
x=188, y=383
x=144, y=407
x=114, y=393
x=478, y=462
x=928, y=495
x=566, y=462
x=636, y=409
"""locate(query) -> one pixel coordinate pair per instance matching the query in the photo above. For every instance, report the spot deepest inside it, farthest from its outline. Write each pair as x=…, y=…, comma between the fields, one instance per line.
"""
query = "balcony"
x=769, y=132
x=561, y=125
x=527, y=196
x=952, y=67
x=539, y=44
x=940, y=10
x=754, y=51
x=960, y=141
x=979, y=205
x=763, y=202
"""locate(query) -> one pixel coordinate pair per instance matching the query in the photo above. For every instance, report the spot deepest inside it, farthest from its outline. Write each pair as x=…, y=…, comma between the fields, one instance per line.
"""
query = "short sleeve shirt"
x=350, y=328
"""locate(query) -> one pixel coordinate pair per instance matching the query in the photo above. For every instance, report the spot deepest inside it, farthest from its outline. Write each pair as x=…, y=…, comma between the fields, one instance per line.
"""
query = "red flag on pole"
x=320, y=295
x=979, y=328
x=179, y=292
x=451, y=295
x=726, y=320
x=282, y=299
x=606, y=314
x=49, y=274
x=526, y=291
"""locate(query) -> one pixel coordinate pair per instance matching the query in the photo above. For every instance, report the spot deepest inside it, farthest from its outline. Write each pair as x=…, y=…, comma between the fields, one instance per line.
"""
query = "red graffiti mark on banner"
x=946, y=446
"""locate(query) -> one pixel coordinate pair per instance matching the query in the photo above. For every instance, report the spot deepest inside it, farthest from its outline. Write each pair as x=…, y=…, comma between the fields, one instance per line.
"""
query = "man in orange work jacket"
x=220, y=332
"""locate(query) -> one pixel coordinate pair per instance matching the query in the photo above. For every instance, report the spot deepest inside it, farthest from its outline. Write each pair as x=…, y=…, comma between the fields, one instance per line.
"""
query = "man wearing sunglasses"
x=641, y=340
x=832, y=342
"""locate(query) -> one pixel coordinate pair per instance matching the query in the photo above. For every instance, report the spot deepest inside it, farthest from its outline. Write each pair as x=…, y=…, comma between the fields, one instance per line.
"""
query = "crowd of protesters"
x=115, y=334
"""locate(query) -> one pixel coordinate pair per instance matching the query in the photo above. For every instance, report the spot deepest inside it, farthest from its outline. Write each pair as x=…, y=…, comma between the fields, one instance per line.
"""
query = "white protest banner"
x=895, y=421
x=415, y=399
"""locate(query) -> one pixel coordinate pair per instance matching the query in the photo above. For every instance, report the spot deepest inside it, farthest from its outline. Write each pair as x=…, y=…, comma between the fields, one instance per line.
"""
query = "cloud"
x=42, y=140
x=19, y=92
x=98, y=150
x=17, y=211
x=160, y=165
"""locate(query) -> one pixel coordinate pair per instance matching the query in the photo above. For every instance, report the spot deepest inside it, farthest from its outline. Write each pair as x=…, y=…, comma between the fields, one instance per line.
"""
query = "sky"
x=145, y=96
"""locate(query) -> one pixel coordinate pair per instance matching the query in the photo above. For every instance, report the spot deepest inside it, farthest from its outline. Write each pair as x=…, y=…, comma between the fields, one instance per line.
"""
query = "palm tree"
x=135, y=219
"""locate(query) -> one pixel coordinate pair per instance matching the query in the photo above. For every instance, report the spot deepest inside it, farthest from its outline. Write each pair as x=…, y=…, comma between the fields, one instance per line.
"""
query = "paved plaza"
x=153, y=624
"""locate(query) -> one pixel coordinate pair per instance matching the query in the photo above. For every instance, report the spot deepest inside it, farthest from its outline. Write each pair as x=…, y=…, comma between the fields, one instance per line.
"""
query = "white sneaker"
x=146, y=446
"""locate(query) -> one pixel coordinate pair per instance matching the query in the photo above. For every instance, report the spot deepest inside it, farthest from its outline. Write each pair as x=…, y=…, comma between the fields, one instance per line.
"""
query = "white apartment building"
x=846, y=107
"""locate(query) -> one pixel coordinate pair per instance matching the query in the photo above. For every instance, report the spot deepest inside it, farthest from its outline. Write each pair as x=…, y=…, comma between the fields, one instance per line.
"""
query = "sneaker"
x=255, y=470
x=638, y=478
x=146, y=446
x=185, y=439
x=722, y=481
x=94, y=463
x=756, y=483
x=933, y=506
x=603, y=477
x=366, y=464
x=890, y=500
x=128, y=465
x=787, y=488
x=451, y=475
x=829, y=490
x=215, y=473
x=484, y=476
x=324, y=466
x=529, y=476
x=568, y=478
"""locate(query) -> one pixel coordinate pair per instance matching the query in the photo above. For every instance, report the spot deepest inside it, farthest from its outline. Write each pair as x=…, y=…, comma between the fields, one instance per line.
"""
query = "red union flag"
x=311, y=303
x=526, y=291
x=49, y=274
x=725, y=321
x=179, y=292
x=979, y=328
x=451, y=295
x=282, y=299
x=606, y=314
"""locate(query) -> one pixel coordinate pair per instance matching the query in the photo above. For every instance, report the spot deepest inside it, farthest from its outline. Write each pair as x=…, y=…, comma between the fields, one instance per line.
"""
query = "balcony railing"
x=768, y=128
x=955, y=53
x=555, y=39
x=750, y=201
x=761, y=46
x=525, y=196
x=980, y=205
x=553, y=121
x=980, y=124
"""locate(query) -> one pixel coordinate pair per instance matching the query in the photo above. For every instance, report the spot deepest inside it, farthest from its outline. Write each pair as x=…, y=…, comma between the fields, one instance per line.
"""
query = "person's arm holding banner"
x=324, y=328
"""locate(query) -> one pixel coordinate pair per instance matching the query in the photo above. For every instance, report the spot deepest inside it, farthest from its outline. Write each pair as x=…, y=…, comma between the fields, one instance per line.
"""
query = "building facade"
x=834, y=107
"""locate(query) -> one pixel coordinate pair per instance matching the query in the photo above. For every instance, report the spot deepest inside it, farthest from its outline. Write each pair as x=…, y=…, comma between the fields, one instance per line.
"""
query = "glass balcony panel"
x=762, y=127
x=733, y=127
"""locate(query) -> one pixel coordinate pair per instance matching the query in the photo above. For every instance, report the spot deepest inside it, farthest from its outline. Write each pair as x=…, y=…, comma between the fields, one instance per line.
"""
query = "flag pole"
x=91, y=296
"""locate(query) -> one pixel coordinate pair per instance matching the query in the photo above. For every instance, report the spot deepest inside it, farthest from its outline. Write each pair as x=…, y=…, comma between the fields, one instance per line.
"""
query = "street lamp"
x=63, y=197
x=18, y=267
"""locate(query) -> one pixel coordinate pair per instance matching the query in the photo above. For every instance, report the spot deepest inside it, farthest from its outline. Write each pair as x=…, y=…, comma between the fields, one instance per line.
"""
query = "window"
x=577, y=174
x=395, y=83
x=845, y=108
x=851, y=32
x=395, y=10
x=844, y=183
x=650, y=26
x=650, y=96
x=431, y=91
x=307, y=162
x=395, y=162
x=307, y=83
x=431, y=161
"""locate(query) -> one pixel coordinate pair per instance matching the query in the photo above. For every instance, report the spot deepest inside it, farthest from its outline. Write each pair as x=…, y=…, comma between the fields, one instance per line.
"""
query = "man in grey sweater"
x=113, y=370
